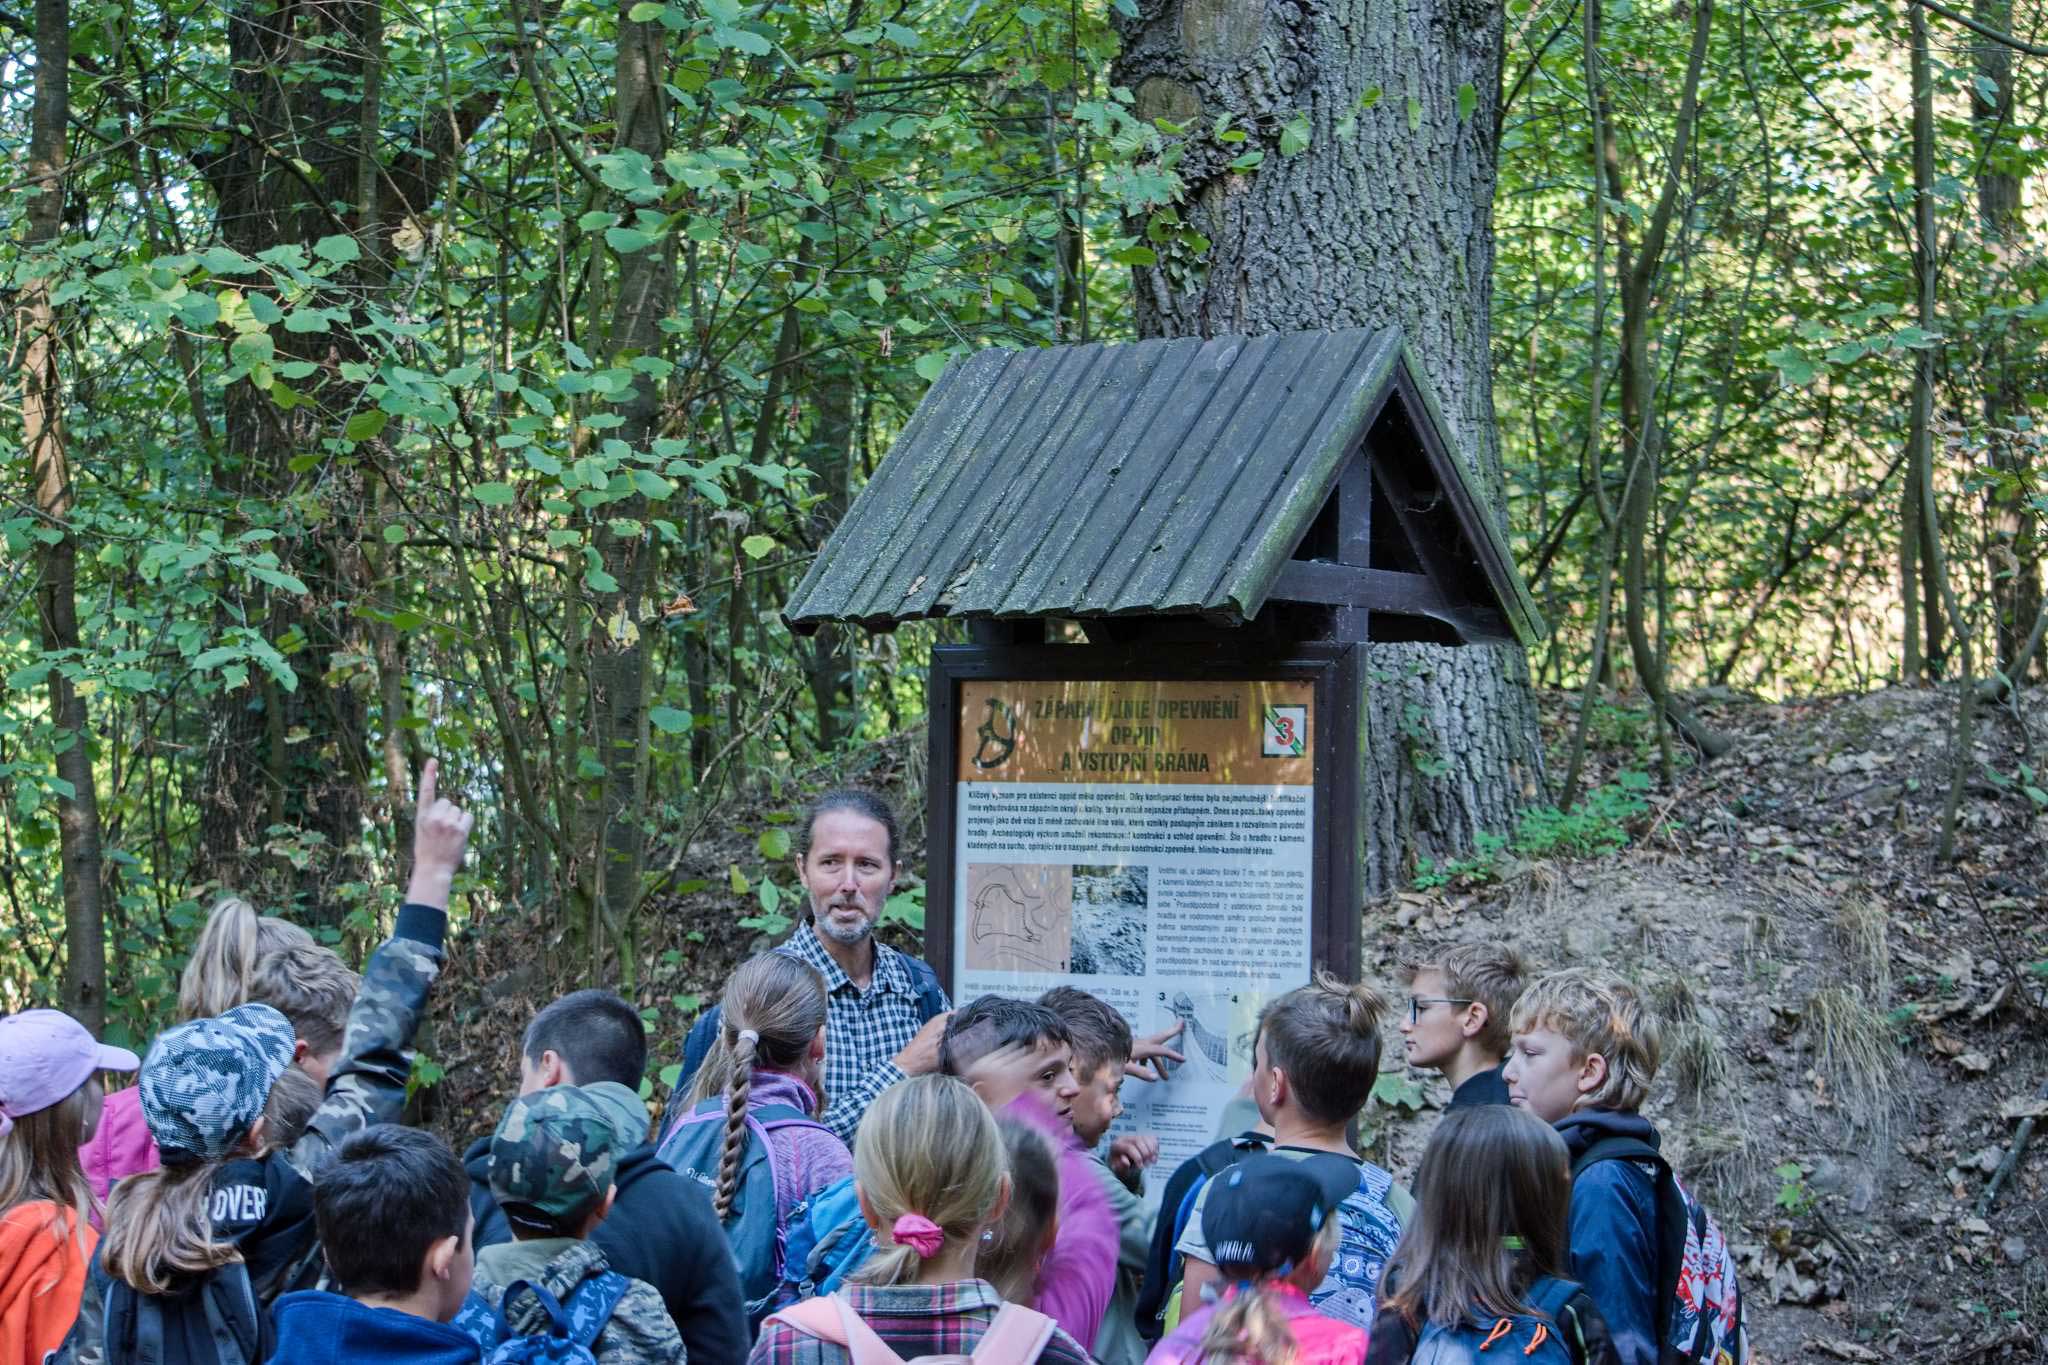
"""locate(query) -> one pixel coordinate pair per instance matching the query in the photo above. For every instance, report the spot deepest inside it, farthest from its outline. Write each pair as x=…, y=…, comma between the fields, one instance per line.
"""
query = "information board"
x=1151, y=842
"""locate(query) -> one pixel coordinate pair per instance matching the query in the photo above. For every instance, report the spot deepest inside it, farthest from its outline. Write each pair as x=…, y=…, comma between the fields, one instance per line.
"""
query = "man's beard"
x=844, y=937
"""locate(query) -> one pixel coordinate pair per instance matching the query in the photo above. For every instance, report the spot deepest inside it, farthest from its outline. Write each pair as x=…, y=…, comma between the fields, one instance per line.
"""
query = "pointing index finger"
x=430, y=777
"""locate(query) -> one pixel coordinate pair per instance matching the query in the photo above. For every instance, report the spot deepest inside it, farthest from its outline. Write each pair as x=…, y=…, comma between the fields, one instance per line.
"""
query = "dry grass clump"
x=1854, y=1053
x=1863, y=930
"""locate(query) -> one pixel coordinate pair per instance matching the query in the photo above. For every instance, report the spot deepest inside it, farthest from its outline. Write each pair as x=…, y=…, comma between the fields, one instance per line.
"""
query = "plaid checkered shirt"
x=915, y=1320
x=864, y=1029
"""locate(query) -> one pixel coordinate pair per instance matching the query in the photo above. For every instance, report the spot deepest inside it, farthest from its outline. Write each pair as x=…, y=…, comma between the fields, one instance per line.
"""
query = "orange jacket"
x=43, y=1257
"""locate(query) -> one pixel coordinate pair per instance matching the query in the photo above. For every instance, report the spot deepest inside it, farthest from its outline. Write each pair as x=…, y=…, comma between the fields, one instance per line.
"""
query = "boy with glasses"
x=1459, y=1005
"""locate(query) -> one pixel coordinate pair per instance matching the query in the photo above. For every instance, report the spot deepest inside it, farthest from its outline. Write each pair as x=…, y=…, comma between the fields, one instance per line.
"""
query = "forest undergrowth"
x=1855, y=1032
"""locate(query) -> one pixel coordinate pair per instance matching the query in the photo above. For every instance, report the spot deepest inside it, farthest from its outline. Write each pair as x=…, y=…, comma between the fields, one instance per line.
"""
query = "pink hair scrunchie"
x=920, y=1234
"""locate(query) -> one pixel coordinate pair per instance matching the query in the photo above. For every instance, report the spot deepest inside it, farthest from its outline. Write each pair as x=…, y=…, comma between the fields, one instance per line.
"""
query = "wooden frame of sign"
x=1334, y=672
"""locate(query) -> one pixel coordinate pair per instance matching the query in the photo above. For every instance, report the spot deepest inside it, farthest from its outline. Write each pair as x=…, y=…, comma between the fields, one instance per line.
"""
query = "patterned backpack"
x=1372, y=1217
x=1695, y=1271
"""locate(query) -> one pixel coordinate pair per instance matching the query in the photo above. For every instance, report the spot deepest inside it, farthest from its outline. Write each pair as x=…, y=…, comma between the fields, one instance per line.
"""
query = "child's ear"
x=1475, y=1020
x=818, y=1045
x=259, y=1134
x=441, y=1256
x=1002, y=1204
x=1592, y=1073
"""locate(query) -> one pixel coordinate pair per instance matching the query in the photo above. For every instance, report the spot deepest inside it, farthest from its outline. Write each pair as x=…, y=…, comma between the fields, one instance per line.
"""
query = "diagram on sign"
x=1020, y=917
x=1218, y=1040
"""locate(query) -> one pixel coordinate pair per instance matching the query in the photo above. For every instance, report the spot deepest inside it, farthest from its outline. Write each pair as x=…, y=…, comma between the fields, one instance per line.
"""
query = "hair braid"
x=737, y=1085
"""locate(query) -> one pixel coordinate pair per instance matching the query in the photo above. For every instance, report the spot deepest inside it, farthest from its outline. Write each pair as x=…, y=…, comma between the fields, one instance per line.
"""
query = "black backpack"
x=1695, y=1272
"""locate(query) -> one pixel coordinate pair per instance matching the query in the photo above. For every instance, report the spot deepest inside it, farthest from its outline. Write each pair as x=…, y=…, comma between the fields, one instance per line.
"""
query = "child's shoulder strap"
x=1618, y=1147
x=1549, y=1294
x=593, y=1304
x=1017, y=1337
x=831, y=1318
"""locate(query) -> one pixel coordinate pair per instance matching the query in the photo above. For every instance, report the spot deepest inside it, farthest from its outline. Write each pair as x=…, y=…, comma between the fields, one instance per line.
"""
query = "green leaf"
x=1468, y=100
x=1294, y=135
x=1368, y=97
x=931, y=365
x=774, y=844
x=740, y=885
x=597, y=580
x=644, y=11
x=670, y=719
x=757, y=546
x=741, y=39
x=252, y=349
x=771, y=896
x=906, y=38
x=1414, y=115
x=877, y=291
x=493, y=494
x=277, y=578
x=305, y=320
x=340, y=249
x=628, y=240
x=651, y=485
x=365, y=425
x=1793, y=365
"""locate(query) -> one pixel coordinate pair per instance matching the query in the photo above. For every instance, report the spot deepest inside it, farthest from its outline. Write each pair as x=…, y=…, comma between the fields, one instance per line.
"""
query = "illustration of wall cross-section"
x=1020, y=917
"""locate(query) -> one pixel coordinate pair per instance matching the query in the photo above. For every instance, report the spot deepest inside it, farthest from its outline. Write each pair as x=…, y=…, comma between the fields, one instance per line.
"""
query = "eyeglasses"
x=1418, y=1003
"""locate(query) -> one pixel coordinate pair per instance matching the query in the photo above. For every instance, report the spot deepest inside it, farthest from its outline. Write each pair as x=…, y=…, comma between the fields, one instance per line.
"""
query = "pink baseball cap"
x=44, y=1056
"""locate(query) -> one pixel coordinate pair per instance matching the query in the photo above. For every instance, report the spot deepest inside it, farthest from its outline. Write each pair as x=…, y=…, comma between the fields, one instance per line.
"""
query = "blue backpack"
x=570, y=1332
x=695, y=1146
x=1529, y=1339
x=827, y=1240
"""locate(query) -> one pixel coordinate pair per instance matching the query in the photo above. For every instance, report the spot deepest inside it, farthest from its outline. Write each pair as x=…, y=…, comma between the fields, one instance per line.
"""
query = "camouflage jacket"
x=640, y=1331
x=366, y=1086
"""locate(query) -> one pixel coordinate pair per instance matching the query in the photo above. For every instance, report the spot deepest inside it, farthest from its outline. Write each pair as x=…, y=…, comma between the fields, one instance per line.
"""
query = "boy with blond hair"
x=1585, y=1051
x=1461, y=1002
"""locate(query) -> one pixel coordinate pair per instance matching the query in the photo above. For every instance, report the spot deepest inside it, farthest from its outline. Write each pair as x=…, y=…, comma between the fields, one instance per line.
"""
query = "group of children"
x=261, y=1202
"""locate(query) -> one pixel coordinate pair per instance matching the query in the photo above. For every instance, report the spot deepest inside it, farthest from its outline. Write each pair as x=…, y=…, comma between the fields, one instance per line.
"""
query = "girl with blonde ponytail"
x=932, y=1175
x=751, y=1134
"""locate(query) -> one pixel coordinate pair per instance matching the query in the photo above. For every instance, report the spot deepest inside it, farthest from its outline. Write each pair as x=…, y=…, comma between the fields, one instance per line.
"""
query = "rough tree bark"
x=2015, y=550
x=1387, y=224
x=43, y=435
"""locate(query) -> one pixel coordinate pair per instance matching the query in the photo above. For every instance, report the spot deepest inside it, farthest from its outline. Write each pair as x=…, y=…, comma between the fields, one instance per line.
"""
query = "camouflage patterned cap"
x=204, y=1083
x=552, y=1157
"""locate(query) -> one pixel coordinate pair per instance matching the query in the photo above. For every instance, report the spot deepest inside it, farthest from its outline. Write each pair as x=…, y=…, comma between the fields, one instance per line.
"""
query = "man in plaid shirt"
x=886, y=1009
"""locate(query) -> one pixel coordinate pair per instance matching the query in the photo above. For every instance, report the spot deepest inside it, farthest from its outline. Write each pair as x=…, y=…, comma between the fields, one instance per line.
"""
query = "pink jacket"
x=121, y=1146
x=1078, y=1275
x=1318, y=1340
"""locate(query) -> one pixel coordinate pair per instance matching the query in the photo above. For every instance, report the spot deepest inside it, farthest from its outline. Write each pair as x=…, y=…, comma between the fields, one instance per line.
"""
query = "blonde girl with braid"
x=752, y=1134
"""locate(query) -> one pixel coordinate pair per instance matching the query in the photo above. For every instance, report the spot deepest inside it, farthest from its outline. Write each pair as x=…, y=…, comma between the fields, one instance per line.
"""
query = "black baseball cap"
x=1262, y=1215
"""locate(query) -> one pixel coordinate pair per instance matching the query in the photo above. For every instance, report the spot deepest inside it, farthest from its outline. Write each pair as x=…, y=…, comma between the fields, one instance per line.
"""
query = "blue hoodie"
x=318, y=1328
x=1614, y=1233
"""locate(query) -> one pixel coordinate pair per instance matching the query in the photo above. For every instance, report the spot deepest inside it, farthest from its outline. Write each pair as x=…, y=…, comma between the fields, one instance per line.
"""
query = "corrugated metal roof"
x=1099, y=480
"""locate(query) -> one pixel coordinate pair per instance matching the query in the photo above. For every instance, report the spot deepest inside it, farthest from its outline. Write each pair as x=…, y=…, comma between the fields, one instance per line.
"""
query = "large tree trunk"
x=1389, y=224
x=2015, y=567
x=42, y=429
x=293, y=757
